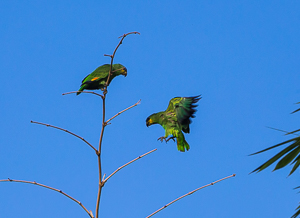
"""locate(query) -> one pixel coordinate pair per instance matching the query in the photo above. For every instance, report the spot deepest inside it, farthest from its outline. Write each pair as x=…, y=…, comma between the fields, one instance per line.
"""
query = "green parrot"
x=98, y=78
x=176, y=119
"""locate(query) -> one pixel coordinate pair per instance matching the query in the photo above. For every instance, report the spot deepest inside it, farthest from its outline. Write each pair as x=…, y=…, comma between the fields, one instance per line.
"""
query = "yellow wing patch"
x=95, y=78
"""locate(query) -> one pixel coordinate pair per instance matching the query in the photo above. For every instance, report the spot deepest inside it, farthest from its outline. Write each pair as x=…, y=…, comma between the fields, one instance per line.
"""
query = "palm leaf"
x=282, y=143
x=288, y=158
x=297, y=213
x=296, y=165
x=290, y=153
x=296, y=111
x=293, y=132
x=280, y=130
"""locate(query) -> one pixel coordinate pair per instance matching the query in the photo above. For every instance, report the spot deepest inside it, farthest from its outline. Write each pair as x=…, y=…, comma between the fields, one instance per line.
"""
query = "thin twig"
x=233, y=175
x=48, y=125
x=83, y=92
x=113, y=55
x=48, y=187
x=105, y=180
x=123, y=111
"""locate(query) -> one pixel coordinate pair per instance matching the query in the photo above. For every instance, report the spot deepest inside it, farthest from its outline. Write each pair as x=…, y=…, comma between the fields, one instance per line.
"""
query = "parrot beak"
x=149, y=122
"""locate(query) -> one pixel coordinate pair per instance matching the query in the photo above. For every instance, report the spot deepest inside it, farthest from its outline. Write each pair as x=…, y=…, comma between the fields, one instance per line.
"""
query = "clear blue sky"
x=242, y=56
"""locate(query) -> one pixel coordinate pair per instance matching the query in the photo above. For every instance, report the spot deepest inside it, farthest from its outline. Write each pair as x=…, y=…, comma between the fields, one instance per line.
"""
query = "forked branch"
x=48, y=125
x=54, y=189
x=105, y=180
x=233, y=175
x=101, y=183
x=113, y=55
x=123, y=111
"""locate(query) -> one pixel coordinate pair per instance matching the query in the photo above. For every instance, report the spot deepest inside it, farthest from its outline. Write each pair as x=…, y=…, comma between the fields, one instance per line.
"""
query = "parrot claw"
x=173, y=138
x=162, y=138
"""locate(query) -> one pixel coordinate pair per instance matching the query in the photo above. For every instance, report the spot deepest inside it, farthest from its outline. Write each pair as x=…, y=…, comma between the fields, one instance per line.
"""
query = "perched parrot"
x=176, y=119
x=98, y=78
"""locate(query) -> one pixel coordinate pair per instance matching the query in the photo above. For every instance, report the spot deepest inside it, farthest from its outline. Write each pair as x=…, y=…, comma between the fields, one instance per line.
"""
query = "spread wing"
x=184, y=110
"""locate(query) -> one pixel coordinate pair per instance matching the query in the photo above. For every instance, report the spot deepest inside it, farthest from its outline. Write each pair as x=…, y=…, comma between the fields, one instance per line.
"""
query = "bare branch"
x=82, y=92
x=99, y=155
x=101, y=183
x=105, y=180
x=113, y=55
x=48, y=187
x=123, y=111
x=48, y=125
x=233, y=175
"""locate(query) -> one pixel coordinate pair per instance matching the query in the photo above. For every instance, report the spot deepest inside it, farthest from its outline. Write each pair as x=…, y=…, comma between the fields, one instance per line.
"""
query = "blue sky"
x=242, y=56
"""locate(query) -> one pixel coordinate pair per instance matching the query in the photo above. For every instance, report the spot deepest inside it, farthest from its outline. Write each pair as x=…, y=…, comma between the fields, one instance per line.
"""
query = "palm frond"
x=287, y=155
x=297, y=212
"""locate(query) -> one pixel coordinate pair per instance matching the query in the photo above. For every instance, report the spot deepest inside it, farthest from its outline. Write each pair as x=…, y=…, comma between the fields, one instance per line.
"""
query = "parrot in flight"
x=98, y=78
x=176, y=119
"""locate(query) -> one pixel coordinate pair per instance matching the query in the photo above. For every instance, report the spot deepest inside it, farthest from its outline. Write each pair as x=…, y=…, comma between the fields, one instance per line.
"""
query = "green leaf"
x=296, y=165
x=293, y=132
x=277, y=156
x=282, y=143
x=289, y=157
x=296, y=110
x=297, y=213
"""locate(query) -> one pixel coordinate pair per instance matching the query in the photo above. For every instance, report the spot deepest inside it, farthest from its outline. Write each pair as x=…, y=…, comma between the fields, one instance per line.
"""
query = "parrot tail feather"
x=81, y=89
x=182, y=145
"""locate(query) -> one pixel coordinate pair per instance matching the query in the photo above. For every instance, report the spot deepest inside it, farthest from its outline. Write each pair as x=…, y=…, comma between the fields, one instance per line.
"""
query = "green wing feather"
x=98, y=78
x=176, y=119
x=101, y=72
x=184, y=110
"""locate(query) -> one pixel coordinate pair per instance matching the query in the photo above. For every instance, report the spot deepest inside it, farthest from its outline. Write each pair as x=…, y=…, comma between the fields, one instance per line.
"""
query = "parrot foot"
x=173, y=138
x=162, y=138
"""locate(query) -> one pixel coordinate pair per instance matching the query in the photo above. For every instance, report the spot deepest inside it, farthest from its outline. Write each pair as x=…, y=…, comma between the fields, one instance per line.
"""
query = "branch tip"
x=105, y=180
x=189, y=193
x=124, y=35
x=107, y=122
x=51, y=188
x=65, y=130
